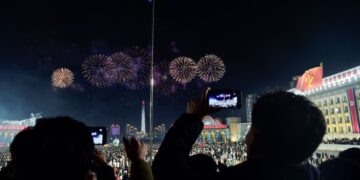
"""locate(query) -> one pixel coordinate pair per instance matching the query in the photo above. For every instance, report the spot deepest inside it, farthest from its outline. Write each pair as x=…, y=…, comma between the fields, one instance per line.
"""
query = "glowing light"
x=211, y=68
x=99, y=70
x=62, y=78
x=125, y=68
x=164, y=84
x=141, y=59
x=182, y=69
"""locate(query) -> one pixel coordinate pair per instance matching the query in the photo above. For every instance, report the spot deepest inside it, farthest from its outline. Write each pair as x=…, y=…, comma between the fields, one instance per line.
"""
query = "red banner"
x=311, y=79
x=12, y=127
x=353, y=110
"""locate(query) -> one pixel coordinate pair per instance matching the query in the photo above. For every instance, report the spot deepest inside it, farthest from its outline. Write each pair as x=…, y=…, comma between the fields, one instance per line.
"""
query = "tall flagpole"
x=152, y=82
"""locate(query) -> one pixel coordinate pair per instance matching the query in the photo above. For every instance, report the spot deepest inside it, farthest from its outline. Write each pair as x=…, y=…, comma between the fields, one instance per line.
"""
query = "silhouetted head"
x=339, y=169
x=203, y=166
x=351, y=154
x=62, y=148
x=22, y=144
x=20, y=150
x=285, y=127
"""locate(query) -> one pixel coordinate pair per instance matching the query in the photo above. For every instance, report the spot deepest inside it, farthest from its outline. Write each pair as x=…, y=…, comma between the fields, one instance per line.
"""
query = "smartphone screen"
x=98, y=134
x=224, y=99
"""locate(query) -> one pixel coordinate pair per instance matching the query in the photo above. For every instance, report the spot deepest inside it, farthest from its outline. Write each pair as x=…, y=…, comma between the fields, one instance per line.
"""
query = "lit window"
x=340, y=120
x=347, y=119
x=344, y=99
x=325, y=103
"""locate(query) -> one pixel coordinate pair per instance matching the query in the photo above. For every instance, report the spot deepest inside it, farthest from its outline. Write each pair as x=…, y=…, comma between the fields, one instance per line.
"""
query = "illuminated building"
x=115, y=131
x=250, y=100
x=214, y=131
x=143, y=124
x=9, y=128
x=244, y=129
x=234, y=128
x=159, y=133
x=338, y=97
x=131, y=131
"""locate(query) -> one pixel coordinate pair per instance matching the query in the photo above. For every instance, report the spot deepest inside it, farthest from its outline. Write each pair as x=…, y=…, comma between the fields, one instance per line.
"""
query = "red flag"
x=311, y=79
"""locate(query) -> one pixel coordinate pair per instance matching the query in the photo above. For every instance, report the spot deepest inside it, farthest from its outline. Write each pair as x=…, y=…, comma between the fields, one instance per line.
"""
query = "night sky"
x=262, y=43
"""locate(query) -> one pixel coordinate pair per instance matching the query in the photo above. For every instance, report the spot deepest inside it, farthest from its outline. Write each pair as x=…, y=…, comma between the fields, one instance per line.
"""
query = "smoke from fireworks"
x=211, y=68
x=141, y=59
x=187, y=92
x=62, y=78
x=164, y=84
x=183, y=69
x=99, y=70
x=124, y=67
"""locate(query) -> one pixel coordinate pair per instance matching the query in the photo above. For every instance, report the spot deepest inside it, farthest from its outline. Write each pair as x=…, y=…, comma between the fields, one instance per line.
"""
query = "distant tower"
x=143, y=125
x=250, y=100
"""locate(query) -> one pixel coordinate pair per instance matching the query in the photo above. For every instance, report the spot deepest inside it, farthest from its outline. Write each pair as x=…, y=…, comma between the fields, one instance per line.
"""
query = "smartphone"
x=224, y=99
x=99, y=135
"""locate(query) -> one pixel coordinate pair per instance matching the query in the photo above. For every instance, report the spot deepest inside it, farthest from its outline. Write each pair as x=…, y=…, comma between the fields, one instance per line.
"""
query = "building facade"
x=9, y=128
x=250, y=100
x=214, y=131
x=338, y=98
x=234, y=128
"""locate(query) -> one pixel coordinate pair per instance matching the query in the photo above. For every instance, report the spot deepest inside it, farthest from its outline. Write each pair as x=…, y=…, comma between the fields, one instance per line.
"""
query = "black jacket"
x=171, y=161
x=254, y=170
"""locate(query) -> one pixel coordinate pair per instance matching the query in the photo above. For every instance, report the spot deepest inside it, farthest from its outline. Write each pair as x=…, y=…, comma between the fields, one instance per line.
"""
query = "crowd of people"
x=46, y=152
x=4, y=156
x=345, y=141
x=228, y=154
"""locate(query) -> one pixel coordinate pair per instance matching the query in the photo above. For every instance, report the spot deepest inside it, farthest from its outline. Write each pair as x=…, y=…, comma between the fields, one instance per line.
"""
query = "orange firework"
x=62, y=78
x=182, y=69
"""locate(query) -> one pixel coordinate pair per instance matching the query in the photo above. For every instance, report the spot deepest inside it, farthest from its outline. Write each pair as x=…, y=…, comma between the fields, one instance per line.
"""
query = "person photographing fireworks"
x=286, y=129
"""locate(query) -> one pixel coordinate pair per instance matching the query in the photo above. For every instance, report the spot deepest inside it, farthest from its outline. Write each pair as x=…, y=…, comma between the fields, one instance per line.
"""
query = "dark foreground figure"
x=286, y=129
x=346, y=166
x=57, y=149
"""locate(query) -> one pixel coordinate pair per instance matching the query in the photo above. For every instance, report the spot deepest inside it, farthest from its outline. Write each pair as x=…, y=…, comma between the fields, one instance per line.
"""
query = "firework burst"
x=182, y=69
x=211, y=68
x=124, y=66
x=164, y=84
x=141, y=59
x=62, y=78
x=99, y=70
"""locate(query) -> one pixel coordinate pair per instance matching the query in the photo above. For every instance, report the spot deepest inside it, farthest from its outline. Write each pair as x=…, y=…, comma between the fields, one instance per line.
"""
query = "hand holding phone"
x=200, y=106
